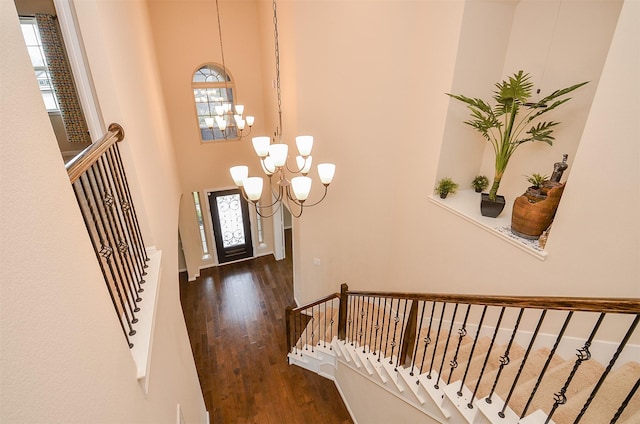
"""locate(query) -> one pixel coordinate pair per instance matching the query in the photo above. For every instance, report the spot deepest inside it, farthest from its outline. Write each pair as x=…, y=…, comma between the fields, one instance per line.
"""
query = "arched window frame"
x=211, y=89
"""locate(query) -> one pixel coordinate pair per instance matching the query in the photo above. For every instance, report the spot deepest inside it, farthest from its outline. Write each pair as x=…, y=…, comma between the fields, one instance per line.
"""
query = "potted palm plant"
x=512, y=121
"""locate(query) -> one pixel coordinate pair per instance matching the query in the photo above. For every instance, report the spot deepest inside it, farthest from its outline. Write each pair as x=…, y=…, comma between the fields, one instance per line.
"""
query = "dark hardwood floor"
x=235, y=318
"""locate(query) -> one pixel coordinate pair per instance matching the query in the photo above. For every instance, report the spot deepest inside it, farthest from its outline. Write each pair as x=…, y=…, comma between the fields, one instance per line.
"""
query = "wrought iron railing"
x=100, y=185
x=485, y=345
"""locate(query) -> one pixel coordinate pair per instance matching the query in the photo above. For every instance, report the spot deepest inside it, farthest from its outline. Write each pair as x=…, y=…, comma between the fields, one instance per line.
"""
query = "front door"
x=231, y=225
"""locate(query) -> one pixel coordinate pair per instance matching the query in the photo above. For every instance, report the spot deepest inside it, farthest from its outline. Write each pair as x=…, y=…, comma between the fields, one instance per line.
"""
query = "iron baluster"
x=435, y=346
x=366, y=324
x=106, y=202
x=427, y=339
x=313, y=328
x=583, y=355
x=324, y=330
x=127, y=209
x=473, y=347
x=386, y=344
x=396, y=320
x=486, y=359
x=107, y=242
x=446, y=345
x=106, y=186
x=97, y=244
x=129, y=200
x=361, y=319
x=350, y=321
x=524, y=361
x=377, y=327
x=354, y=319
x=462, y=333
x=546, y=364
x=504, y=359
x=613, y=360
x=404, y=317
x=306, y=331
x=331, y=322
x=415, y=348
x=384, y=312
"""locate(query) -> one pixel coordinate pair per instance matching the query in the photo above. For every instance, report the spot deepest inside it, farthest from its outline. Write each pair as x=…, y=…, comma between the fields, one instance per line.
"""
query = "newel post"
x=342, y=315
x=288, y=313
x=409, y=339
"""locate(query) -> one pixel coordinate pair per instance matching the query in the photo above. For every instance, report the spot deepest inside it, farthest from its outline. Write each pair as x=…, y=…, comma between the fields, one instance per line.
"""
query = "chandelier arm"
x=257, y=208
x=326, y=189
x=244, y=135
x=296, y=215
x=244, y=195
x=278, y=197
x=293, y=171
x=299, y=171
x=301, y=204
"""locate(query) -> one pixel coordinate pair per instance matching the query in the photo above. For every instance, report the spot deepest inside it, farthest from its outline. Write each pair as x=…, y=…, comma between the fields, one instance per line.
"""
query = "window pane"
x=209, y=73
x=49, y=100
x=203, y=235
x=38, y=60
x=29, y=33
x=214, y=100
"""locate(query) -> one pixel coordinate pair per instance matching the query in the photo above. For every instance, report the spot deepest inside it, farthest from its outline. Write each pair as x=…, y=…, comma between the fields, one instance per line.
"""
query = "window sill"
x=143, y=339
x=466, y=204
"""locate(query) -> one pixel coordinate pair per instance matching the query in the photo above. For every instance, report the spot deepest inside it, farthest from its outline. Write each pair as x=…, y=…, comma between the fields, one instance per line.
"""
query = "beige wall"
x=594, y=249
x=377, y=228
x=187, y=32
x=64, y=358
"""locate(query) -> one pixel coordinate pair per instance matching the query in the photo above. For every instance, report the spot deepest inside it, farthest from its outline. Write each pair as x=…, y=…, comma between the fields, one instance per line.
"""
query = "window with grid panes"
x=213, y=94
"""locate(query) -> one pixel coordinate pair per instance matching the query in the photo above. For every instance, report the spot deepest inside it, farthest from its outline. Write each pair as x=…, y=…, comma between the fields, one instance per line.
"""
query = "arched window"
x=213, y=94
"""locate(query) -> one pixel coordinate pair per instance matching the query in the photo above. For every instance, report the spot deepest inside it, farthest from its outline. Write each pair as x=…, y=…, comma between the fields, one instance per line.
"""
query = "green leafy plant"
x=537, y=180
x=446, y=186
x=513, y=120
x=480, y=182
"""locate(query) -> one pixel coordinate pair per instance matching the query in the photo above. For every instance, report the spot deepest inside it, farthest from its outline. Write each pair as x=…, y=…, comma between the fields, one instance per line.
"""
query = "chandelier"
x=227, y=118
x=288, y=185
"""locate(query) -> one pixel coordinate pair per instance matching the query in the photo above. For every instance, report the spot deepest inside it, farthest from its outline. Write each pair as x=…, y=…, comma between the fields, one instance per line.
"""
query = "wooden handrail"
x=317, y=302
x=587, y=304
x=79, y=164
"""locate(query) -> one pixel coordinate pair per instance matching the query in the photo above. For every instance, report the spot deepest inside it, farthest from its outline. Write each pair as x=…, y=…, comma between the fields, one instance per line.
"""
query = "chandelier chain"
x=277, y=53
x=224, y=67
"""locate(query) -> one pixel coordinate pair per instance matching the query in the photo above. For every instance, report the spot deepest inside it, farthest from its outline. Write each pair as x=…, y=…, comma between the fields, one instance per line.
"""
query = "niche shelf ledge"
x=466, y=205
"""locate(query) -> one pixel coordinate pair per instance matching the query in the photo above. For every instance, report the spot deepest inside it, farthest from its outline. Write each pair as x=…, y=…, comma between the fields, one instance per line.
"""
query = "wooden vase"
x=529, y=219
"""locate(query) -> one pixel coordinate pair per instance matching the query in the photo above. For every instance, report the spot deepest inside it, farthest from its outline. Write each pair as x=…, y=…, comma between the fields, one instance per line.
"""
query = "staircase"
x=479, y=359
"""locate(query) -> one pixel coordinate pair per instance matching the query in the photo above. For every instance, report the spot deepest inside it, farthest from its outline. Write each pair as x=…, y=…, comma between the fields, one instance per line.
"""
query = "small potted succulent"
x=479, y=183
x=537, y=191
x=446, y=186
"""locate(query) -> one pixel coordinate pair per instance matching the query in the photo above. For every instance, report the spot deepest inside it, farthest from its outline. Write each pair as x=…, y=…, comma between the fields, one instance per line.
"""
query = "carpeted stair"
x=372, y=350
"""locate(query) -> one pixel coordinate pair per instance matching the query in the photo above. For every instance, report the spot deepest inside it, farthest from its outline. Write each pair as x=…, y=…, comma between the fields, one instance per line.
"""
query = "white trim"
x=79, y=67
x=143, y=339
x=278, y=235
